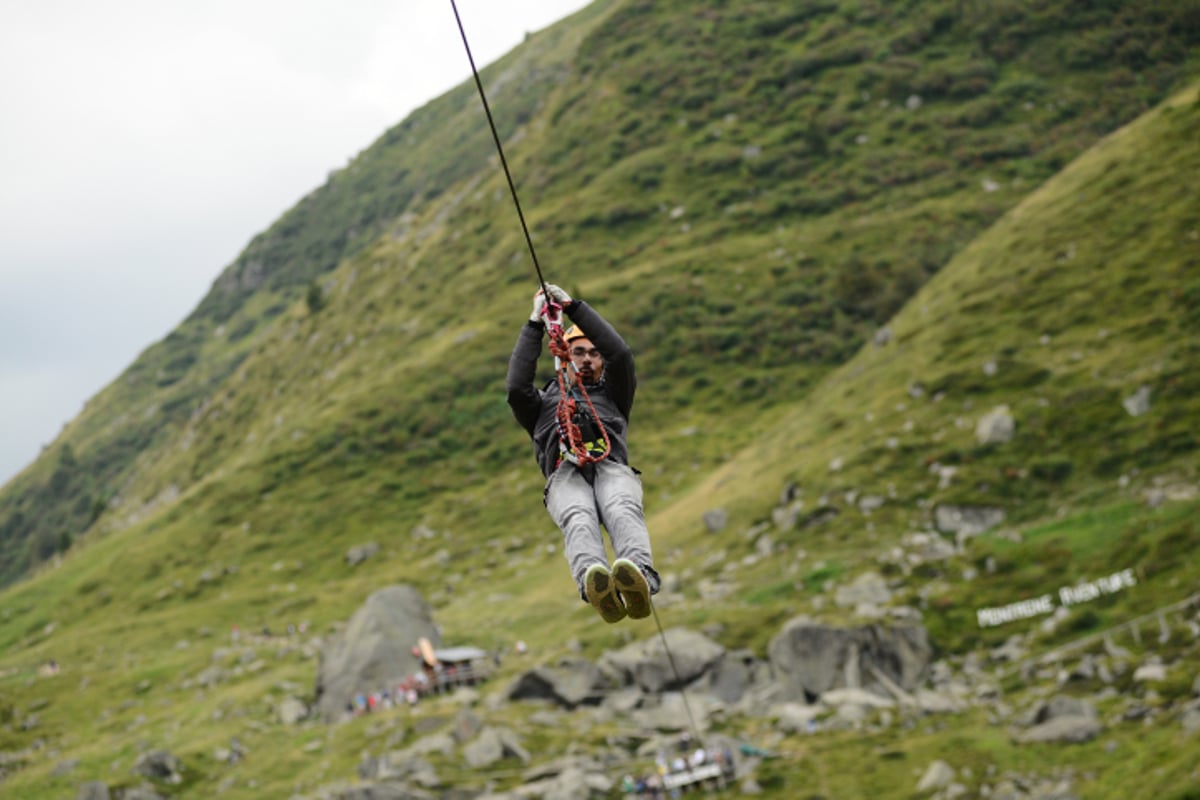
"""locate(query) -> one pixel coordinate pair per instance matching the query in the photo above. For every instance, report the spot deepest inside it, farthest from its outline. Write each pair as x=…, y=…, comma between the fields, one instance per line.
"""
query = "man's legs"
x=572, y=506
x=618, y=494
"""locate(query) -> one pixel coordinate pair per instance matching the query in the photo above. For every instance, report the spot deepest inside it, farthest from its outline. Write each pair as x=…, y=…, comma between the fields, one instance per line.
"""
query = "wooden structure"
x=704, y=776
x=451, y=667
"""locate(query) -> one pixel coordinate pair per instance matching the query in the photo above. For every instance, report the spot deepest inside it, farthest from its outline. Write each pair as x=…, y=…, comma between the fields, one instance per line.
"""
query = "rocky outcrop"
x=375, y=649
x=808, y=658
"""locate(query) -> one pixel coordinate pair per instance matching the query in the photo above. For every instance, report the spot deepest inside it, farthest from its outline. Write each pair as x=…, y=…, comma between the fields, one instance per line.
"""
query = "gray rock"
x=1138, y=403
x=967, y=520
x=63, y=768
x=376, y=791
x=492, y=745
x=855, y=697
x=716, y=520
x=1073, y=729
x=374, y=651
x=808, y=659
x=574, y=682
x=1062, y=706
x=436, y=743
x=292, y=711
x=931, y=702
x=398, y=768
x=939, y=775
x=995, y=427
x=734, y=673
x=93, y=790
x=141, y=793
x=1150, y=672
x=1191, y=719
x=158, y=765
x=359, y=554
x=646, y=664
x=867, y=589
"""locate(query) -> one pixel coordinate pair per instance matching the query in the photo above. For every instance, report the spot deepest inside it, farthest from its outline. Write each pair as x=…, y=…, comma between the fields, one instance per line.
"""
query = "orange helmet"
x=574, y=332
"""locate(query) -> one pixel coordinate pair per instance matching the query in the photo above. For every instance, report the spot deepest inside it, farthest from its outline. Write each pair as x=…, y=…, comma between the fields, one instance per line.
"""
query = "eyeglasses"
x=580, y=352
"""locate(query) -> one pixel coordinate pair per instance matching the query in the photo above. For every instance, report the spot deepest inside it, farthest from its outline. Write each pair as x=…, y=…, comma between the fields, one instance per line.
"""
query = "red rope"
x=568, y=431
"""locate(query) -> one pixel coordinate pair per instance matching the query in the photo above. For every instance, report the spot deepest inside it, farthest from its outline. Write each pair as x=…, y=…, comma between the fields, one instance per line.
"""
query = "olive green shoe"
x=598, y=589
x=633, y=586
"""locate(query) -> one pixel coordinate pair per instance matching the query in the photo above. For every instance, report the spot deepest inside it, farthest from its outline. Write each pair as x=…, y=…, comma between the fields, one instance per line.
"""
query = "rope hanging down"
x=569, y=430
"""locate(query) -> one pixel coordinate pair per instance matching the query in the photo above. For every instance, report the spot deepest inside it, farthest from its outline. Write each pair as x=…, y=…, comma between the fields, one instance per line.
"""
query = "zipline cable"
x=512, y=187
x=671, y=659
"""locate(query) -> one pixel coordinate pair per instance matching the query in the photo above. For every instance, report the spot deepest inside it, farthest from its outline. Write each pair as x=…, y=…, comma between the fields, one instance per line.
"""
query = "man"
x=609, y=492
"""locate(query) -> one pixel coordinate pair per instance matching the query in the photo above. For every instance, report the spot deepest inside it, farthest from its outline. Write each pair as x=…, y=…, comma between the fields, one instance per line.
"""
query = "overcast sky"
x=143, y=143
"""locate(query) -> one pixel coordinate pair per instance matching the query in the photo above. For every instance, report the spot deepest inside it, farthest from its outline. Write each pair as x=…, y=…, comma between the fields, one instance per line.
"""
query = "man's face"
x=587, y=359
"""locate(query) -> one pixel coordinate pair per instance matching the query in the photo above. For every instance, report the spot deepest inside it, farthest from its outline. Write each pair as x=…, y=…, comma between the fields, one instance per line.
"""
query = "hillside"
x=836, y=156
x=828, y=284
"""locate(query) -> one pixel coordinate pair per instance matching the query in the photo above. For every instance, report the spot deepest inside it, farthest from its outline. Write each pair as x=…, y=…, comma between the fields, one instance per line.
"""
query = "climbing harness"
x=583, y=440
x=582, y=437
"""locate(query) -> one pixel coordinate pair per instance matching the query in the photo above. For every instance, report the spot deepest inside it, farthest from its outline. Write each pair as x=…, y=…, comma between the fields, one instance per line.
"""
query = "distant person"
x=583, y=494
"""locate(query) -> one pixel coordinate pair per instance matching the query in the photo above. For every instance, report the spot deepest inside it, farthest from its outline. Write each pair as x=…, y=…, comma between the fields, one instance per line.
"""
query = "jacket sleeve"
x=619, y=374
x=523, y=396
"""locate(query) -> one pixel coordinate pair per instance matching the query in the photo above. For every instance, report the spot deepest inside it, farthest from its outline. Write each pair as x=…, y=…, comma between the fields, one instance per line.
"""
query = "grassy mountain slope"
x=383, y=410
x=835, y=156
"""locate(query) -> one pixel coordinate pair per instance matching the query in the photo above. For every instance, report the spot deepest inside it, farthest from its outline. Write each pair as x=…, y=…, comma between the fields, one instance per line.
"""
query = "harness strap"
x=571, y=443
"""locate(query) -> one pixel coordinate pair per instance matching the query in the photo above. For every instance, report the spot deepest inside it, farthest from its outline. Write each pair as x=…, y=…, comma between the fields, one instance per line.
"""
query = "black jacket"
x=613, y=397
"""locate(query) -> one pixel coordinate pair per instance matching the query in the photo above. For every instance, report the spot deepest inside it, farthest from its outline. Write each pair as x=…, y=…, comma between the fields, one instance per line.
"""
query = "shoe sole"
x=634, y=588
x=598, y=586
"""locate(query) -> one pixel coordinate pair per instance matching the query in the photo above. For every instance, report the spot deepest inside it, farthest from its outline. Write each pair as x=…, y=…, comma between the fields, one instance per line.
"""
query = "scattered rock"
x=716, y=520
x=967, y=520
x=158, y=765
x=995, y=427
x=359, y=554
x=93, y=790
x=868, y=588
x=939, y=775
x=1150, y=672
x=1138, y=403
x=292, y=711
x=492, y=745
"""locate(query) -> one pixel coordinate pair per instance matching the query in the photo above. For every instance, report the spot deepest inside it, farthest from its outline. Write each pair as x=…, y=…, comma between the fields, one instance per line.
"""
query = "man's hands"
x=557, y=294
x=560, y=296
x=539, y=305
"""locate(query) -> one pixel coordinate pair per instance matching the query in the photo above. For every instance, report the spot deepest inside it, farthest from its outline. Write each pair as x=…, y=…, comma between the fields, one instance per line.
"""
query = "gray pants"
x=614, y=499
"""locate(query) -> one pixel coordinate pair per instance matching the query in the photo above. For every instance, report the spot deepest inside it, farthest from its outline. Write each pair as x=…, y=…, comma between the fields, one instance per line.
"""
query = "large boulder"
x=374, y=651
x=574, y=682
x=808, y=658
x=159, y=765
x=647, y=664
x=735, y=673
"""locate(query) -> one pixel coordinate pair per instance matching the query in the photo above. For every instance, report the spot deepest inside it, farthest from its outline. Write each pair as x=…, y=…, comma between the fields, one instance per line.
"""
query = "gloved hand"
x=539, y=304
x=559, y=295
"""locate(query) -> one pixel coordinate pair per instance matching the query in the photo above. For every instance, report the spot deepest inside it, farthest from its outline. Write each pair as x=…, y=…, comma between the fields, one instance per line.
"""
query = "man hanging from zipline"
x=578, y=424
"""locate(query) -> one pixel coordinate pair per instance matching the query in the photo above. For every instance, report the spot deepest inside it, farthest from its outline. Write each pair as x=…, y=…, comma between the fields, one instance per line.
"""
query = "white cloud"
x=144, y=143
